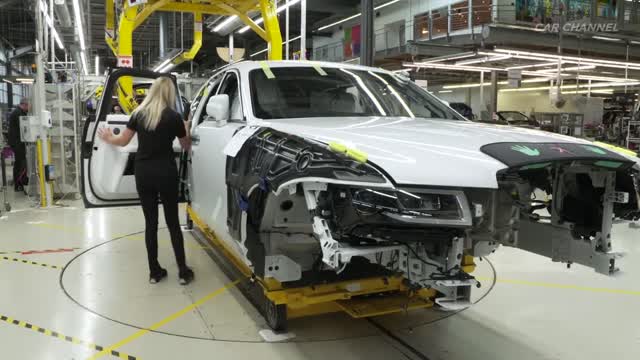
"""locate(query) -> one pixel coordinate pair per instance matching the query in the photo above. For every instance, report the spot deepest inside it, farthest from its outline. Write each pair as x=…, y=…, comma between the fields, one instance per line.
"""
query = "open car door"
x=108, y=171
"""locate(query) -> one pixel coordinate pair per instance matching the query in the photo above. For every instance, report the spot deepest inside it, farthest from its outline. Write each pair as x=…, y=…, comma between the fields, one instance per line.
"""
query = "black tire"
x=276, y=315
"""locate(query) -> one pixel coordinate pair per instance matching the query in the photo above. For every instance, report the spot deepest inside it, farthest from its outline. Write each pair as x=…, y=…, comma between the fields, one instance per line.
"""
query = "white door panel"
x=208, y=175
x=107, y=170
x=108, y=163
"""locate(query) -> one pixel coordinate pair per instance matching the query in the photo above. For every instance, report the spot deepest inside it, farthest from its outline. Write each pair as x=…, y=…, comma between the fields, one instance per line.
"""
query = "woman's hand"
x=106, y=135
x=187, y=127
x=121, y=140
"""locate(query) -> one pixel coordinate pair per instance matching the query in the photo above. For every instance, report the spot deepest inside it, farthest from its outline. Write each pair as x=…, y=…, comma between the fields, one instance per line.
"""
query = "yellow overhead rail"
x=132, y=16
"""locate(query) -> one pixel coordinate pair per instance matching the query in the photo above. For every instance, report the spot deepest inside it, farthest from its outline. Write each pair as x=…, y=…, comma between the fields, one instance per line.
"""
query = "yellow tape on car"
x=267, y=71
x=357, y=155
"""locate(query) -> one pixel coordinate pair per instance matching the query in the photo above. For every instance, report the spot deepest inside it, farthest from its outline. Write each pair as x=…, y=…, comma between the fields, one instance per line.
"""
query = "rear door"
x=107, y=171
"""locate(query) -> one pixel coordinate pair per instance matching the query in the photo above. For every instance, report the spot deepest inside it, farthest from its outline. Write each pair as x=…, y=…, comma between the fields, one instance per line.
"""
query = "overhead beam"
x=147, y=11
x=247, y=20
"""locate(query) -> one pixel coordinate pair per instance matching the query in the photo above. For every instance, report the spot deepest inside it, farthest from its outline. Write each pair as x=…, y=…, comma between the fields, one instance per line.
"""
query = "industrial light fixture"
x=402, y=70
x=224, y=23
x=25, y=80
x=356, y=15
x=278, y=10
x=594, y=91
x=596, y=85
x=583, y=61
x=484, y=59
x=49, y=21
x=572, y=68
x=555, y=63
x=605, y=38
x=537, y=73
x=168, y=59
x=8, y=81
x=444, y=91
x=452, y=67
x=97, y=65
x=167, y=67
x=76, y=13
x=448, y=57
x=634, y=42
x=472, y=85
x=162, y=64
x=83, y=57
x=263, y=50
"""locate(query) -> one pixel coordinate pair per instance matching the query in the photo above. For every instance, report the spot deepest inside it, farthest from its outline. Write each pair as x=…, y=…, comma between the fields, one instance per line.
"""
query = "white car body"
x=469, y=201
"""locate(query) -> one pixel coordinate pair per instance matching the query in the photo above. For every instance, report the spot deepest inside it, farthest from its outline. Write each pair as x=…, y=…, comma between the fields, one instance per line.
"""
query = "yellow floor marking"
x=29, y=262
x=73, y=340
x=564, y=286
x=163, y=322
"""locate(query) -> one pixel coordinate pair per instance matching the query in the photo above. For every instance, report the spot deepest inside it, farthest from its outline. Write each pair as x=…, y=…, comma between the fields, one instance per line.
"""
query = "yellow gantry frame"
x=131, y=17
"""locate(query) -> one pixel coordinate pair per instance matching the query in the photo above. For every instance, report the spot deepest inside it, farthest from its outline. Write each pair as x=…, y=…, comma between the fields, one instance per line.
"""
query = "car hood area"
x=425, y=152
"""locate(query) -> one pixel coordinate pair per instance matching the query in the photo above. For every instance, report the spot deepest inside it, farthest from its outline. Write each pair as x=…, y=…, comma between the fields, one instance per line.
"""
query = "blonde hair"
x=160, y=96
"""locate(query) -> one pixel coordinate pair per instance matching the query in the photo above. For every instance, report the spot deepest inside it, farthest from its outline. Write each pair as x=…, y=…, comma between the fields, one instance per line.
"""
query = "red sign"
x=125, y=61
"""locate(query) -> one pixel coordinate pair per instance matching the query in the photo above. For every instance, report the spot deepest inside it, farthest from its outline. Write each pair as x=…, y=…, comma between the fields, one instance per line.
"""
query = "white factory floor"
x=102, y=301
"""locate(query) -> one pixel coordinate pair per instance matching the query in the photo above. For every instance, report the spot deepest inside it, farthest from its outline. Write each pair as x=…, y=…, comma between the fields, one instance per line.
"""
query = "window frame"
x=236, y=73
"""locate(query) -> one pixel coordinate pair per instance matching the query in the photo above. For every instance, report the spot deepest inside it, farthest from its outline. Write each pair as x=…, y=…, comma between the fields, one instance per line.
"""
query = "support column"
x=470, y=15
x=7, y=66
x=366, y=33
x=493, y=106
x=164, y=34
x=231, y=47
x=286, y=35
x=620, y=14
x=43, y=150
x=482, y=104
x=303, y=30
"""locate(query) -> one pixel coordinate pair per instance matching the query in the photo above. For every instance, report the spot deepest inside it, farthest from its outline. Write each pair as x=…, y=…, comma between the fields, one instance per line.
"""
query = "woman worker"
x=157, y=125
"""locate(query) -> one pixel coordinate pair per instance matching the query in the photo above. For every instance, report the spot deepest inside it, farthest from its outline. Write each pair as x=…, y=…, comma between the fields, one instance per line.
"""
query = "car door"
x=108, y=177
x=208, y=193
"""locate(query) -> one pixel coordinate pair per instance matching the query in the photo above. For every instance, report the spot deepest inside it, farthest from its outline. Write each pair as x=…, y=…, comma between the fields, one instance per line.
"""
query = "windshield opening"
x=307, y=92
x=515, y=117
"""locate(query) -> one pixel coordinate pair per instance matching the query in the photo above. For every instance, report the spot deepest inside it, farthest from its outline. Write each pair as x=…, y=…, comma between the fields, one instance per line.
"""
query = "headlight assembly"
x=438, y=207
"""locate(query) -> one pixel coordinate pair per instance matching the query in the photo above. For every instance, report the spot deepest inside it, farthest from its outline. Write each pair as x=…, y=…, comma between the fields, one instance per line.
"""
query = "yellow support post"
x=125, y=48
x=110, y=25
x=49, y=160
x=272, y=27
x=197, y=39
x=43, y=190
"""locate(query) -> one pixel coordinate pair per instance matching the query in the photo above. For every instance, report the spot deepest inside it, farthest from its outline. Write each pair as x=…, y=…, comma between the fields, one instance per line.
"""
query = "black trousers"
x=159, y=179
x=20, y=166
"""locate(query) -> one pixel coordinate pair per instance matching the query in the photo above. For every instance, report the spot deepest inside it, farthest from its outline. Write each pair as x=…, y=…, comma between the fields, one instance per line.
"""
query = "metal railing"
x=392, y=37
x=467, y=17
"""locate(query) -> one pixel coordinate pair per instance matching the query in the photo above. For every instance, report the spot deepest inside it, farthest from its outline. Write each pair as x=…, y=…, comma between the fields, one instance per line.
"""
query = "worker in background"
x=157, y=125
x=20, y=178
x=117, y=110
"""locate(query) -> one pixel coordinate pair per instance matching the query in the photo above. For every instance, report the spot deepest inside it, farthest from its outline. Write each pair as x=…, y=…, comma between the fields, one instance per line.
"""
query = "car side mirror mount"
x=218, y=109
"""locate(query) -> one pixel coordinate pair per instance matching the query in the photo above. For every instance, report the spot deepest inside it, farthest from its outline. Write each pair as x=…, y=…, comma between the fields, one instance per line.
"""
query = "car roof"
x=249, y=65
